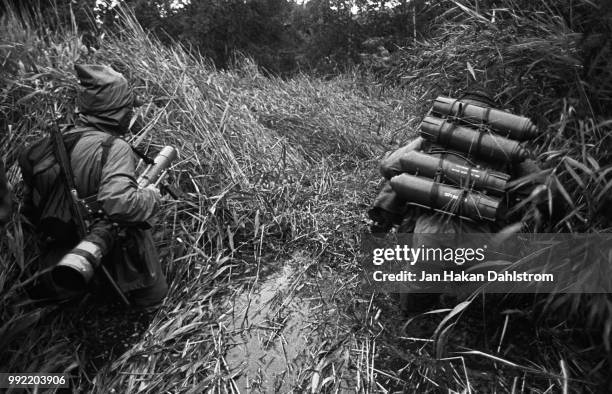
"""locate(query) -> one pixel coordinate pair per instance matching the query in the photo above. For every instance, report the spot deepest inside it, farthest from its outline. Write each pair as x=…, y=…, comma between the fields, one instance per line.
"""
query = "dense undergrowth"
x=267, y=167
x=549, y=60
x=276, y=170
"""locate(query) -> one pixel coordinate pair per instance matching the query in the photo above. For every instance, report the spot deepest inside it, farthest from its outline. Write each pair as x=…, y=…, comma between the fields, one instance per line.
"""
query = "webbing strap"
x=146, y=159
x=90, y=257
x=462, y=201
x=479, y=142
x=439, y=174
x=461, y=109
x=468, y=179
x=71, y=139
x=487, y=114
x=433, y=194
x=449, y=136
x=90, y=203
x=106, y=145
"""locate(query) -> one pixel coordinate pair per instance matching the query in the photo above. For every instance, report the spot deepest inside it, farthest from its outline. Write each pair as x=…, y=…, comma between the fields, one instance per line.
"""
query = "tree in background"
x=282, y=36
x=218, y=28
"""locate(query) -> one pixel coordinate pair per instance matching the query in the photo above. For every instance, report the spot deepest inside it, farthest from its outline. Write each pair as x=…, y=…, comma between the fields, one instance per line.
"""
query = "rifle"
x=63, y=160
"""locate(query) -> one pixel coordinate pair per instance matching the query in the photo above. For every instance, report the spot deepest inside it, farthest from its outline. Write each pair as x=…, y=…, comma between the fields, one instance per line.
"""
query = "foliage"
x=282, y=36
x=271, y=169
x=548, y=60
x=539, y=64
x=282, y=170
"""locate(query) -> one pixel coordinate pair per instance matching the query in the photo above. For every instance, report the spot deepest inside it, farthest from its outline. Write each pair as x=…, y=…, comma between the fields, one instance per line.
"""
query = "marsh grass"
x=550, y=61
x=267, y=167
x=271, y=169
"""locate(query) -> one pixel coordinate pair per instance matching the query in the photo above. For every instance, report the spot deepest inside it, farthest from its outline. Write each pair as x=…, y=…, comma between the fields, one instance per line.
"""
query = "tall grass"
x=276, y=171
x=549, y=60
x=267, y=167
x=546, y=60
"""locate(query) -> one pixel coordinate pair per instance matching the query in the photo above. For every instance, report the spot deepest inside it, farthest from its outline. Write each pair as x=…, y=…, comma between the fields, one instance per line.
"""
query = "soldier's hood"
x=105, y=99
x=102, y=89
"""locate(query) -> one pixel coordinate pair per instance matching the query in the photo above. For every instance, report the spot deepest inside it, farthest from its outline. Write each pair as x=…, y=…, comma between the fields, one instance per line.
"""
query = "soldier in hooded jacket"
x=104, y=168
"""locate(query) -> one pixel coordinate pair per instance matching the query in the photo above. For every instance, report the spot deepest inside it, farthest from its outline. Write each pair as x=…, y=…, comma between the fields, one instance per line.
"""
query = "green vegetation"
x=279, y=172
x=282, y=36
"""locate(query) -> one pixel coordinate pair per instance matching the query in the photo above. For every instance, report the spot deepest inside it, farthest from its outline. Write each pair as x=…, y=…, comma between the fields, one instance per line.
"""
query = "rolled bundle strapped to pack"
x=435, y=195
x=424, y=165
x=509, y=125
x=470, y=141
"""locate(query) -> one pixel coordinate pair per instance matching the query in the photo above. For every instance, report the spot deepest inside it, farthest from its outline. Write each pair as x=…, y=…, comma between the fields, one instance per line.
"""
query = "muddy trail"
x=294, y=330
x=274, y=326
x=300, y=322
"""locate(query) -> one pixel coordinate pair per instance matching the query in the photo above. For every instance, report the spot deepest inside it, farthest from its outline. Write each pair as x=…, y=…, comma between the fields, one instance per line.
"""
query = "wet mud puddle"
x=268, y=334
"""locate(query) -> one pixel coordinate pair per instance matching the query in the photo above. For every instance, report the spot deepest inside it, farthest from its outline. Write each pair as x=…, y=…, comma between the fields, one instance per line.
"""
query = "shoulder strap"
x=91, y=202
x=72, y=138
x=106, y=145
x=63, y=158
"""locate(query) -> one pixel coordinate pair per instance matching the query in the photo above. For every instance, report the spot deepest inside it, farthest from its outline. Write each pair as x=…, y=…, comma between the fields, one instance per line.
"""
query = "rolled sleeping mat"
x=504, y=123
x=442, y=197
x=478, y=143
x=427, y=166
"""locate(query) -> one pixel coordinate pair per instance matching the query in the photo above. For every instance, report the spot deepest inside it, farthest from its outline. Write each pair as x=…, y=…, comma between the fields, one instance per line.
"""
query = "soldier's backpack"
x=49, y=207
x=445, y=178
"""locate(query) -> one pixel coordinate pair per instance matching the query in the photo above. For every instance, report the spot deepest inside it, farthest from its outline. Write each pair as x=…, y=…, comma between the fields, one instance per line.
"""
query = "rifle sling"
x=62, y=155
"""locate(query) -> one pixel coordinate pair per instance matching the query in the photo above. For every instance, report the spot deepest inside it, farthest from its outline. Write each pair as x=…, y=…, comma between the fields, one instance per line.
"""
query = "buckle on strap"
x=91, y=205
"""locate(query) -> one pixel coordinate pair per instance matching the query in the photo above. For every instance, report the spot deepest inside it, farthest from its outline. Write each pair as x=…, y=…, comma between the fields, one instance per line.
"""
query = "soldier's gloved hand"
x=158, y=198
x=155, y=189
x=102, y=232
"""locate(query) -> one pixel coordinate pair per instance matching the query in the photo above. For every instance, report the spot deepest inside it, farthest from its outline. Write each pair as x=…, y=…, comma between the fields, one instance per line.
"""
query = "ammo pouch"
x=134, y=261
